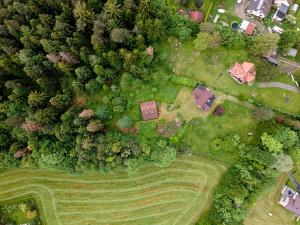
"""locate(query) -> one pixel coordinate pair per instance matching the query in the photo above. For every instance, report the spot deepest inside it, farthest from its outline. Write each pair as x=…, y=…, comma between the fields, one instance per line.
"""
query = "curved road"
x=279, y=85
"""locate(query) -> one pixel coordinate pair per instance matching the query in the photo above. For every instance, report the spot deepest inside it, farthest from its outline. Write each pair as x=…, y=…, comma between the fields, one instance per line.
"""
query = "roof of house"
x=282, y=11
x=196, y=16
x=273, y=61
x=149, y=110
x=295, y=7
x=244, y=72
x=290, y=200
x=250, y=29
x=284, y=8
x=263, y=5
x=203, y=97
x=292, y=52
x=247, y=27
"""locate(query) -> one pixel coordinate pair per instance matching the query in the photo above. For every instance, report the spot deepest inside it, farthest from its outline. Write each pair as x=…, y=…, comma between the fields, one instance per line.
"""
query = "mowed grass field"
x=174, y=195
x=259, y=214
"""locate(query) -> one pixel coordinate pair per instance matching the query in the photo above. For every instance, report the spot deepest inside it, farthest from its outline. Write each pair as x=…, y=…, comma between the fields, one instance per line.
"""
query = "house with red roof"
x=203, y=97
x=196, y=16
x=243, y=73
x=247, y=27
x=149, y=110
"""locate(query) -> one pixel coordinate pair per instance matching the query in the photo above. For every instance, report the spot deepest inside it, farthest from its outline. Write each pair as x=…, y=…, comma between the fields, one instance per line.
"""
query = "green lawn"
x=229, y=15
x=236, y=120
x=259, y=213
x=208, y=67
x=147, y=129
x=284, y=78
x=174, y=195
x=159, y=89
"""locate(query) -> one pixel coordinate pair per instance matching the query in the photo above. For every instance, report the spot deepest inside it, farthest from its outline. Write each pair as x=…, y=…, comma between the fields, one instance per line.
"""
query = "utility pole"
x=293, y=180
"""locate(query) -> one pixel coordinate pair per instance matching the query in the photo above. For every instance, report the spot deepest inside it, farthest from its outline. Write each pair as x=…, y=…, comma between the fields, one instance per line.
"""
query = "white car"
x=239, y=1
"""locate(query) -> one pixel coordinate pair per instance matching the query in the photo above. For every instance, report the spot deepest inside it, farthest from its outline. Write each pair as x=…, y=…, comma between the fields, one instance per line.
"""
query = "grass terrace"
x=174, y=195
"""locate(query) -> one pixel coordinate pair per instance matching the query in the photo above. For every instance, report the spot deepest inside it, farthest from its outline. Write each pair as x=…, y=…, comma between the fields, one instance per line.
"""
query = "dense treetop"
x=53, y=52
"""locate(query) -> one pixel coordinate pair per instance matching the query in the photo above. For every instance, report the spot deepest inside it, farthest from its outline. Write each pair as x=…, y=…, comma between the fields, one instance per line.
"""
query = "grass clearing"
x=174, y=195
x=211, y=67
x=268, y=203
x=147, y=129
x=237, y=119
x=186, y=107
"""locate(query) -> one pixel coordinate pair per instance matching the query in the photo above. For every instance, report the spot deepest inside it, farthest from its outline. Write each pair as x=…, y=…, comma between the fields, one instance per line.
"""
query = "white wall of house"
x=279, y=2
x=256, y=13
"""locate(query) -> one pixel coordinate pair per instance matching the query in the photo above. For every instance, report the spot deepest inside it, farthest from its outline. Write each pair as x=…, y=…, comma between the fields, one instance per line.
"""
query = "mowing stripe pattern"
x=175, y=195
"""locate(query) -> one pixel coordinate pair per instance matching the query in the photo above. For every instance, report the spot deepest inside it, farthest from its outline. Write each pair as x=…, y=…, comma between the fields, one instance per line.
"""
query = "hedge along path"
x=175, y=195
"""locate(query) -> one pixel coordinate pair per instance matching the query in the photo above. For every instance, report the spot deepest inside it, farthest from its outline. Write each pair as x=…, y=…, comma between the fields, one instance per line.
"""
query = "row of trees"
x=255, y=169
x=212, y=36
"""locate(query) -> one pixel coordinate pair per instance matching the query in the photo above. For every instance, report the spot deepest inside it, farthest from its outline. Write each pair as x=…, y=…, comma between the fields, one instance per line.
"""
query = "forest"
x=72, y=73
x=53, y=53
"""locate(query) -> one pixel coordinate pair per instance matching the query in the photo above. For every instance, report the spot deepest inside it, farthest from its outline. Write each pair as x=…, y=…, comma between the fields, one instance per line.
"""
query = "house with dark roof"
x=290, y=200
x=203, y=97
x=272, y=57
x=149, y=110
x=281, y=12
x=259, y=8
x=243, y=73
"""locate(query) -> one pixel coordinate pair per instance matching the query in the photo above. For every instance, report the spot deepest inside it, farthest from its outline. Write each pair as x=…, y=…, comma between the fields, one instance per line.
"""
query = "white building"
x=279, y=2
x=295, y=7
x=281, y=12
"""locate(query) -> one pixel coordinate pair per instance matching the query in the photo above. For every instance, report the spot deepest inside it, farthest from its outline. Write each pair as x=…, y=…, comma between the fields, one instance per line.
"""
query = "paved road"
x=279, y=85
x=240, y=11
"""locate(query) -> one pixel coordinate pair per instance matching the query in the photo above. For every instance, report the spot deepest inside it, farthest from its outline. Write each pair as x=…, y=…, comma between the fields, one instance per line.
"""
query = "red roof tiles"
x=250, y=29
x=196, y=16
x=149, y=110
x=243, y=73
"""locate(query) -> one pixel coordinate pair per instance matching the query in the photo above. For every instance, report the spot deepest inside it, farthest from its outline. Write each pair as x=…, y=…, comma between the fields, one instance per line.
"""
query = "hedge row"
x=260, y=104
x=186, y=81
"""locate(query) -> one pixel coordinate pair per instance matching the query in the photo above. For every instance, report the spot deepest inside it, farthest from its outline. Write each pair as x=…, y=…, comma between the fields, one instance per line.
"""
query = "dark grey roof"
x=283, y=8
x=263, y=5
x=273, y=61
x=280, y=14
x=253, y=5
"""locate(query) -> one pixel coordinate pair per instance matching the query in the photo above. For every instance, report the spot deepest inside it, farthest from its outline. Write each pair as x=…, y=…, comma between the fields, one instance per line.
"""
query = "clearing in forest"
x=174, y=195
